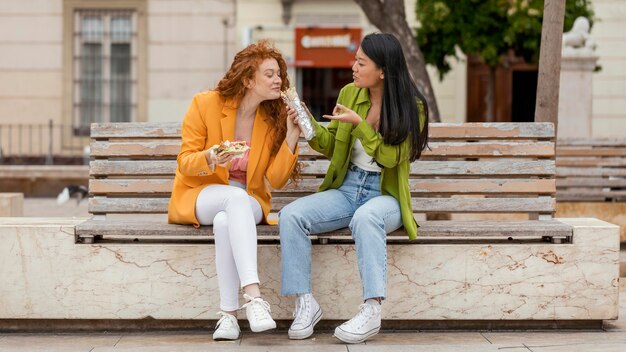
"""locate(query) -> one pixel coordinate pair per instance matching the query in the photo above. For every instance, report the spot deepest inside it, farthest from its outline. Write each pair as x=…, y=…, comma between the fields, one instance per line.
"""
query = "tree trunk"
x=547, y=107
x=389, y=17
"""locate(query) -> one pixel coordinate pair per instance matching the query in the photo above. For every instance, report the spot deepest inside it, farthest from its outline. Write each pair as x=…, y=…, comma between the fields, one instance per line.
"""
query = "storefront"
x=323, y=62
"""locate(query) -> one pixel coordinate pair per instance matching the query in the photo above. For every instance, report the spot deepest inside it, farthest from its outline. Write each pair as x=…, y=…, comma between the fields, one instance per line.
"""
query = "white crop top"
x=361, y=159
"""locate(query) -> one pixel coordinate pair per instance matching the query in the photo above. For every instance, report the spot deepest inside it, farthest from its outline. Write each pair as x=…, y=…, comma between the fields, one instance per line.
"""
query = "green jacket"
x=337, y=139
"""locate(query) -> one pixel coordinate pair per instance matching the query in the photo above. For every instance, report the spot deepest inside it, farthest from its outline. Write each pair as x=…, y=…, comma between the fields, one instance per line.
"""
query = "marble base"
x=44, y=275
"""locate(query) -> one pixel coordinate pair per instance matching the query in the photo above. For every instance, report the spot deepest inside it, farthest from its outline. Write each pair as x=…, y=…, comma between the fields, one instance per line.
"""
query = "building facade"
x=72, y=62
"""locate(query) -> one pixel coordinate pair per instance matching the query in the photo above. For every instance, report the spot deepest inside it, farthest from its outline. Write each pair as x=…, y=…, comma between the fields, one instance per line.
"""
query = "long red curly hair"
x=242, y=70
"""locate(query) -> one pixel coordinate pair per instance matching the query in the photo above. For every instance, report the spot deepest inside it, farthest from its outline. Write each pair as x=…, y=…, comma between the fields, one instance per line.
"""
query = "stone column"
x=11, y=204
x=575, y=96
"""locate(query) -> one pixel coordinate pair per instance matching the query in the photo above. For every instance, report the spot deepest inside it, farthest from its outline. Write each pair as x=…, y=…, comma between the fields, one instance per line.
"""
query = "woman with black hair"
x=379, y=126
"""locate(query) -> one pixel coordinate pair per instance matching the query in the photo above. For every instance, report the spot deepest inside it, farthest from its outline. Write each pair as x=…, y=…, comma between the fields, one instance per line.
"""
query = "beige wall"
x=185, y=49
x=185, y=52
x=30, y=61
x=609, y=85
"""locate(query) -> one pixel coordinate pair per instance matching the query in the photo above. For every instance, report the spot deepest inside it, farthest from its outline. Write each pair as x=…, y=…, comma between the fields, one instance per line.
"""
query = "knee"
x=238, y=195
x=220, y=222
x=287, y=215
x=291, y=221
x=364, y=221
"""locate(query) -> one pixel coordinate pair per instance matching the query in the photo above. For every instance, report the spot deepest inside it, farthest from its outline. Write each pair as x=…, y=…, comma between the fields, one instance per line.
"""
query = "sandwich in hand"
x=234, y=148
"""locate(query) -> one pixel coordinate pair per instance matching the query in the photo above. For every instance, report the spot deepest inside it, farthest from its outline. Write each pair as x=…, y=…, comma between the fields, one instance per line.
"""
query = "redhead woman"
x=232, y=193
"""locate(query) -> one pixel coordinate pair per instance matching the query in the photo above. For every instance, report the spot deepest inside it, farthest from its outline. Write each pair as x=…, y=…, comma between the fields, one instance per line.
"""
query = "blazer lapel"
x=229, y=113
x=259, y=133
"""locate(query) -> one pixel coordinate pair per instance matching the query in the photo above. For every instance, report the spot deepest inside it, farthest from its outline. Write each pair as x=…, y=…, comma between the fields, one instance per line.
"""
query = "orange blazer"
x=210, y=120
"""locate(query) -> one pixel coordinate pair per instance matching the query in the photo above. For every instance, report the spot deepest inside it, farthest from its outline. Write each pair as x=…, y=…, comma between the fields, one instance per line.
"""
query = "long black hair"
x=402, y=102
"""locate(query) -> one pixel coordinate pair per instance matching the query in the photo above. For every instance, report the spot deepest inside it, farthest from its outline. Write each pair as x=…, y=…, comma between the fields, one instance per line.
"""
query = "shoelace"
x=260, y=308
x=300, y=306
x=362, y=315
x=224, y=319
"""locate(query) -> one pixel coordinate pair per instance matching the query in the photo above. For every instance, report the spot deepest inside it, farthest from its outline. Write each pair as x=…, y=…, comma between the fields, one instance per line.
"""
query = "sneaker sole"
x=264, y=328
x=349, y=338
x=304, y=333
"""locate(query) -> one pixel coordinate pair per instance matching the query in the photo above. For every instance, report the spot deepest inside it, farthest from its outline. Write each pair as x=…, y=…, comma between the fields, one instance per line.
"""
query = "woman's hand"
x=343, y=114
x=213, y=159
x=292, y=121
x=293, y=129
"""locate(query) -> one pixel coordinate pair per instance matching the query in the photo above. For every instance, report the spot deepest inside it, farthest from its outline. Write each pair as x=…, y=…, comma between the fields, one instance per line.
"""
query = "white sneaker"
x=226, y=328
x=363, y=326
x=258, y=314
x=308, y=313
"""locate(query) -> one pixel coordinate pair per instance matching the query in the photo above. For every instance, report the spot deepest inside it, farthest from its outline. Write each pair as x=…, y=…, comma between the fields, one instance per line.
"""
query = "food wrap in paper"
x=290, y=97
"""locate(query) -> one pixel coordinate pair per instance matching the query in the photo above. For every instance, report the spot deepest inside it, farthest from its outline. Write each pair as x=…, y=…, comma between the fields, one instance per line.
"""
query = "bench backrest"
x=591, y=170
x=471, y=168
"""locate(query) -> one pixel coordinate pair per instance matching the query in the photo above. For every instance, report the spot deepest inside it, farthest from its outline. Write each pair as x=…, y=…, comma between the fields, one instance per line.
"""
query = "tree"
x=489, y=29
x=389, y=17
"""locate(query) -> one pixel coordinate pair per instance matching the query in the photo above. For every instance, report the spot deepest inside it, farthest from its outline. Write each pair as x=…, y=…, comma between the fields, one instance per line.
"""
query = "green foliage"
x=487, y=28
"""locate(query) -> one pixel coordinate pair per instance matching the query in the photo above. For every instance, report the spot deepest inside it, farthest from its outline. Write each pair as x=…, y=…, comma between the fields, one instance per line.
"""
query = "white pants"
x=234, y=215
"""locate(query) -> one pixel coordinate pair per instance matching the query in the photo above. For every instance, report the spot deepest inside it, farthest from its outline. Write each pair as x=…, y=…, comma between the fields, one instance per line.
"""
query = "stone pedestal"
x=45, y=275
x=575, y=96
x=11, y=204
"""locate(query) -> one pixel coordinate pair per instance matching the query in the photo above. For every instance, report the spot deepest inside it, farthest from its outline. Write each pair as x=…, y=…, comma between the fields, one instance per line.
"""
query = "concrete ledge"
x=12, y=204
x=41, y=180
x=44, y=275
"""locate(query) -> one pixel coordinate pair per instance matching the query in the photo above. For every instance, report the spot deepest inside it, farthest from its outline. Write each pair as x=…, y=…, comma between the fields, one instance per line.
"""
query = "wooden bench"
x=470, y=168
x=591, y=180
x=134, y=265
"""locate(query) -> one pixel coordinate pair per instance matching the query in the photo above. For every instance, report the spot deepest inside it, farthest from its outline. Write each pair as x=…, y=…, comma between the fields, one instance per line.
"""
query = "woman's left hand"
x=343, y=114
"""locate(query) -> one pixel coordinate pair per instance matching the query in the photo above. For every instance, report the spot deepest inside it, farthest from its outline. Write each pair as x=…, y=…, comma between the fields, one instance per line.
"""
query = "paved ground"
x=611, y=338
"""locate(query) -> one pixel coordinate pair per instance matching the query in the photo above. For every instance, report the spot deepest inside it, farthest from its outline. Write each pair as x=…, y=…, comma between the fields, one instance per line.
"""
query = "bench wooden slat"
x=419, y=168
x=589, y=171
x=541, y=130
x=588, y=194
x=136, y=130
x=147, y=205
x=428, y=229
x=591, y=142
x=576, y=151
x=590, y=182
x=591, y=162
x=130, y=186
x=170, y=148
x=435, y=186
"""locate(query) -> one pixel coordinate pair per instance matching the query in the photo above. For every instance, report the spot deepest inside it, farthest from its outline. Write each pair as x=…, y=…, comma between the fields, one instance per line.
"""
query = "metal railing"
x=47, y=144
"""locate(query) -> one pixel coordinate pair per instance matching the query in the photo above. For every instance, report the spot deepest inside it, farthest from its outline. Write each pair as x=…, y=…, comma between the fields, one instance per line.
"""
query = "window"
x=105, y=67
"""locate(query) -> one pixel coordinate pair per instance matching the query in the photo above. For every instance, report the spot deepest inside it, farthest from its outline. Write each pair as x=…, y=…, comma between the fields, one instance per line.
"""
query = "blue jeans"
x=357, y=204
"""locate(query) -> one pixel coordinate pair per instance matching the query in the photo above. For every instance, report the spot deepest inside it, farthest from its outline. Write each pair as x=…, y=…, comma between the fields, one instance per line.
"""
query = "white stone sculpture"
x=578, y=42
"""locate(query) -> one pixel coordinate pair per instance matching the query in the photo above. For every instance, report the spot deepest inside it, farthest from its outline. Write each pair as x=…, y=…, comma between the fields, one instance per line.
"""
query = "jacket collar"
x=363, y=96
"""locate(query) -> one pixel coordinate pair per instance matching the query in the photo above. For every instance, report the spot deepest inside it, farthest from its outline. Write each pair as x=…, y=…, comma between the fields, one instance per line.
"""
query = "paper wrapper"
x=290, y=97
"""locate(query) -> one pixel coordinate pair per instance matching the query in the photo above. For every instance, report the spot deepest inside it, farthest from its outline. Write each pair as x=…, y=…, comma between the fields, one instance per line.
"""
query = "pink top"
x=239, y=168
